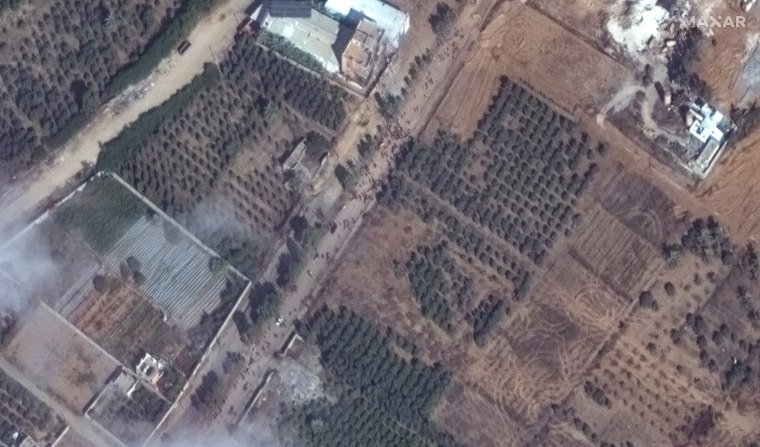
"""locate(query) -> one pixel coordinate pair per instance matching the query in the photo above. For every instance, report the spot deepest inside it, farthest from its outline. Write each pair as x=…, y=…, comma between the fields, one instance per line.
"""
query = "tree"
x=100, y=283
x=346, y=175
x=303, y=232
x=441, y=18
x=646, y=300
x=209, y=391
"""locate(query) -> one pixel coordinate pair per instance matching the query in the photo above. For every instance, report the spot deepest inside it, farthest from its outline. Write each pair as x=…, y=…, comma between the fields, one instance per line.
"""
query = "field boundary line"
x=200, y=362
x=79, y=332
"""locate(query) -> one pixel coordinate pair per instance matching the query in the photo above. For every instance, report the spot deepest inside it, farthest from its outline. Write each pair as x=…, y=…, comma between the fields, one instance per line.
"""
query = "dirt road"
x=213, y=35
x=422, y=103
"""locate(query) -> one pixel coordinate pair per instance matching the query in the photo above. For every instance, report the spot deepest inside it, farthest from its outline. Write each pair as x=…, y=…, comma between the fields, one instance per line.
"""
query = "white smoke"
x=28, y=266
x=194, y=437
x=213, y=215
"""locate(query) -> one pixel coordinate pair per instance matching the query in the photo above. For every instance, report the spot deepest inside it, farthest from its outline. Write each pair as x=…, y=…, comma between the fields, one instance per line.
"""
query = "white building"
x=394, y=22
x=150, y=369
x=315, y=34
x=706, y=124
x=709, y=127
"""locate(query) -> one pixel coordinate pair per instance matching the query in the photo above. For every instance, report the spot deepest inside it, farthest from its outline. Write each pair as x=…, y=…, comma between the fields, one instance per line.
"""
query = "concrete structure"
x=706, y=124
x=125, y=382
x=393, y=22
x=359, y=59
x=709, y=127
x=300, y=166
x=150, y=369
x=315, y=35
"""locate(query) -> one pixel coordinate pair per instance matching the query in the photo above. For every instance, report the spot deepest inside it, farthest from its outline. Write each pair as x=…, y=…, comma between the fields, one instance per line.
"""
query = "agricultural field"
x=23, y=416
x=107, y=289
x=58, y=359
x=154, y=288
x=544, y=293
x=117, y=317
x=130, y=418
x=211, y=156
x=62, y=60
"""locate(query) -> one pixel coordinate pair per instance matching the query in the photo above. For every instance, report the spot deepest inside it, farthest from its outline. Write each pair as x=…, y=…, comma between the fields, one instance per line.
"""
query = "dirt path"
x=213, y=35
x=422, y=103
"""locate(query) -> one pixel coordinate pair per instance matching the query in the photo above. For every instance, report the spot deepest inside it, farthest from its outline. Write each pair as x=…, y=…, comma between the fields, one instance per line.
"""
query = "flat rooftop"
x=393, y=21
x=315, y=35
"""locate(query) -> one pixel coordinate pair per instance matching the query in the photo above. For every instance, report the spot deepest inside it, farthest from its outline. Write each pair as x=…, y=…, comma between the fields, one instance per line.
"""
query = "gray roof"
x=290, y=8
x=315, y=35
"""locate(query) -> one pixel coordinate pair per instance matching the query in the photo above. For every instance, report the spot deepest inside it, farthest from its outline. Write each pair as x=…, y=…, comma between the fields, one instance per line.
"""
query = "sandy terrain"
x=212, y=36
x=59, y=360
x=724, y=55
x=528, y=45
x=732, y=191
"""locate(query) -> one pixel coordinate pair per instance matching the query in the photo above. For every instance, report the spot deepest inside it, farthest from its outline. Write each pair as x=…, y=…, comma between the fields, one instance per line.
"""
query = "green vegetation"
x=486, y=317
x=184, y=21
x=67, y=131
x=58, y=58
x=102, y=212
x=382, y=399
x=290, y=51
x=202, y=333
x=288, y=267
x=7, y=4
x=115, y=152
x=746, y=120
x=187, y=153
x=389, y=104
x=234, y=249
x=368, y=144
x=209, y=392
x=263, y=304
x=303, y=232
x=441, y=19
x=346, y=175
x=513, y=186
x=21, y=411
x=437, y=284
x=705, y=238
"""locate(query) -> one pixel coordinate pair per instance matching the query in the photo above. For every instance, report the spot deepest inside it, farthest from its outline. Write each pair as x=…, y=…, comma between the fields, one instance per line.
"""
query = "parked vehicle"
x=183, y=47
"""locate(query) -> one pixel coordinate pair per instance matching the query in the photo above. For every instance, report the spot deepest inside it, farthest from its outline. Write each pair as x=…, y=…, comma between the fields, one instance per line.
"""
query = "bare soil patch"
x=59, y=360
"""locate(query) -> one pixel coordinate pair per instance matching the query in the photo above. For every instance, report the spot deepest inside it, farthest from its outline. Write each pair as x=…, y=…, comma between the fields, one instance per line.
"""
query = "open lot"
x=536, y=49
x=58, y=359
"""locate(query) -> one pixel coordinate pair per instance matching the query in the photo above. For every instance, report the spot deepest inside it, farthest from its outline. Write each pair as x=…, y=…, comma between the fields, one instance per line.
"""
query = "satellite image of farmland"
x=379, y=223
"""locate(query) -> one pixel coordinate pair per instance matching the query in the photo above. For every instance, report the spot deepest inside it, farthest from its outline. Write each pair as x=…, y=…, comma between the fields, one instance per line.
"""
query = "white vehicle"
x=279, y=321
